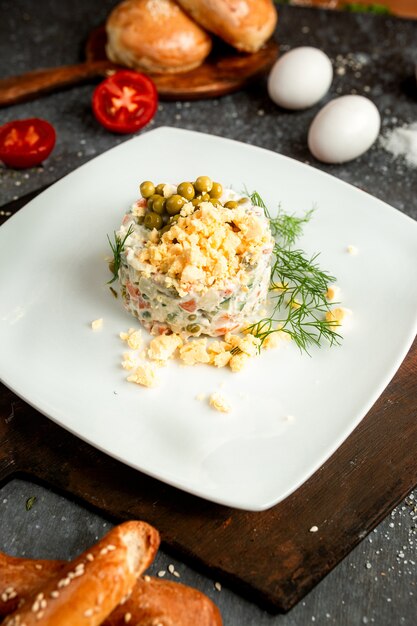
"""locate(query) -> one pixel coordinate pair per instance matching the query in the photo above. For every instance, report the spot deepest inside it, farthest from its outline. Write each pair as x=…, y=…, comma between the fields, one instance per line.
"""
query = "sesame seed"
x=35, y=606
x=9, y=590
x=39, y=615
x=176, y=574
x=88, y=613
x=54, y=594
x=111, y=547
x=147, y=579
x=89, y=557
x=314, y=529
x=12, y=594
x=218, y=586
x=43, y=604
x=38, y=566
x=161, y=573
x=103, y=551
x=128, y=617
x=171, y=568
x=4, y=597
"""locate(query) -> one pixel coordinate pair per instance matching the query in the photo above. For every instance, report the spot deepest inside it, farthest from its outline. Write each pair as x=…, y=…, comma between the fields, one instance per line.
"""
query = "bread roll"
x=155, y=36
x=152, y=600
x=244, y=24
x=85, y=591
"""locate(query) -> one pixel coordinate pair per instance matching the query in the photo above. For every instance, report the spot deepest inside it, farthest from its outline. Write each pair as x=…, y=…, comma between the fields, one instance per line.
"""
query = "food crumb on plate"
x=164, y=347
x=352, y=249
x=219, y=403
x=97, y=324
x=133, y=338
x=337, y=315
x=130, y=361
x=144, y=375
x=332, y=293
x=238, y=362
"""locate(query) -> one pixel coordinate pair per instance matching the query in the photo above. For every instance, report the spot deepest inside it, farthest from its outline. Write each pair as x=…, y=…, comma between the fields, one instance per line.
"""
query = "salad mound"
x=195, y=263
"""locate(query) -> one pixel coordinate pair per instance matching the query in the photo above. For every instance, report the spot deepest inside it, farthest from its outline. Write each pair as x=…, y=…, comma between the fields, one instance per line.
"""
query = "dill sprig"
x=117, y=247
x=284, y=227
x=298, y=287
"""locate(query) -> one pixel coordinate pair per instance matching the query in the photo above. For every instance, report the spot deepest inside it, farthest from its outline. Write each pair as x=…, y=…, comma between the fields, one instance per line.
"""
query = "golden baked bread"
x=152, y=600
x=244, y=24
x=85, y=591
x=155, y=36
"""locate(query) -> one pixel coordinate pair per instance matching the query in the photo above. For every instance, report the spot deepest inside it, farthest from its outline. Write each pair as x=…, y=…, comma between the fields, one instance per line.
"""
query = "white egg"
x=300, y=78
x=344, y=129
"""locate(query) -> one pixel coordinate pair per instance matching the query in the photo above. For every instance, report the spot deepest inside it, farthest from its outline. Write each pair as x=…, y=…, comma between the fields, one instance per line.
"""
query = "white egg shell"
x=300, y=78
x=344, y=129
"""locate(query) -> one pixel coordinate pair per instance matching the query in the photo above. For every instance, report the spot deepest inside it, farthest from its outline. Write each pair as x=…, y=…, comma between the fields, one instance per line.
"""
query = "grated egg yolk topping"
x=208, y=247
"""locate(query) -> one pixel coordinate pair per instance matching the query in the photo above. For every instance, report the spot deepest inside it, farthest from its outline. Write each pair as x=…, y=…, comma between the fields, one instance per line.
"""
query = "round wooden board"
x=224, y=71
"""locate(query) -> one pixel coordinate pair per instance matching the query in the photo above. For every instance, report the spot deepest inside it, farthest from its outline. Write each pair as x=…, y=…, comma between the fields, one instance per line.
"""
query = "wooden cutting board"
x=271, y=557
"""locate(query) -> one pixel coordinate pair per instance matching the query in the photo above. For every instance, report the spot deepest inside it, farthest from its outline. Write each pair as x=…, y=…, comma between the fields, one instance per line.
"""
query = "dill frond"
x=298, y=287
x=117, y=247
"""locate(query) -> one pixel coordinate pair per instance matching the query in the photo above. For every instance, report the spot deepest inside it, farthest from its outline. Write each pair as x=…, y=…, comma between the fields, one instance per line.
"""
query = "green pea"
x=147, y=189
x=152, y=220
x=158, y=204
x=186, y=190
x=174, y=218
x=196, y=201
x=192, y=317
x=231, y=204
x=216, y=190
x=174, y=204
x=165, y=229
x=150, y=201
x=203, y=183
x=215, y=202
x=159, y=189
x=193, y=328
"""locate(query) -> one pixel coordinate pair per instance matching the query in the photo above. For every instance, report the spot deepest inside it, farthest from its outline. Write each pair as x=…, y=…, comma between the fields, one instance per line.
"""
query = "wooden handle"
x=28, y=86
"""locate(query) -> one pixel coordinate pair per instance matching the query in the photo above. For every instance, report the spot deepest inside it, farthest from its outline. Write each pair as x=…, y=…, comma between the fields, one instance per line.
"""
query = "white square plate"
x=53, y=284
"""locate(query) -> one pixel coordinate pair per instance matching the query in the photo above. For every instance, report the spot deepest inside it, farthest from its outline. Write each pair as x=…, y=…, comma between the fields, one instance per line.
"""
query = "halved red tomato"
x=26, y=143
x=125, y=101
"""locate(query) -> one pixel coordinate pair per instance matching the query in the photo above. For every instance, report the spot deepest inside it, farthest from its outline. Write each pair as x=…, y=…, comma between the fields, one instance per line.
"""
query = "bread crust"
x=244, y=24
x=85, y=591
x=155, y=36
x=152, y=600
x=163, y=602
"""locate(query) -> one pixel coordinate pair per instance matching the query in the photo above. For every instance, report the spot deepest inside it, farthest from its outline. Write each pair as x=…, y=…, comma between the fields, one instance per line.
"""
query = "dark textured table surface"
x=377, y=582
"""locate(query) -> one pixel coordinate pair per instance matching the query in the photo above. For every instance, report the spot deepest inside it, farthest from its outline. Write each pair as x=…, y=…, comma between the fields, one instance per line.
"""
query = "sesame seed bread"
x=155, y=36
x=244, y=24
x=166, y=603
x=152, y=600
x=85, y=591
